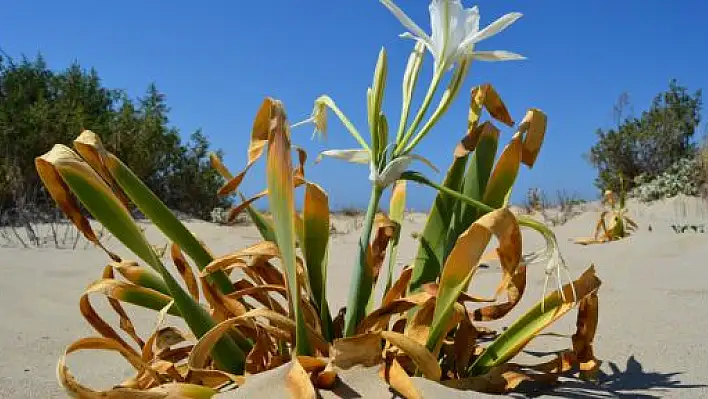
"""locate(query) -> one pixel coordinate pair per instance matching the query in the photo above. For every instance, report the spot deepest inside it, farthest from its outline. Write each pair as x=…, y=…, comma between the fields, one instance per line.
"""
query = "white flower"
x=455, y=32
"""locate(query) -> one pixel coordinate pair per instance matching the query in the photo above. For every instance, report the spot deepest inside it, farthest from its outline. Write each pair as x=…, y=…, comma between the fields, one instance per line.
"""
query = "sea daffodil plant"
x=266, y=305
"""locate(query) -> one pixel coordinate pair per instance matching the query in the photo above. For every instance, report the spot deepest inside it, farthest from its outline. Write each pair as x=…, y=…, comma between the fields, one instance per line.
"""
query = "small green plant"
x=420, y=325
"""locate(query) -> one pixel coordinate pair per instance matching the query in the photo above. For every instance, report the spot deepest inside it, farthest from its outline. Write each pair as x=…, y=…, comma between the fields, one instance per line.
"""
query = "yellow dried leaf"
x=185, y=271
x=399, y=380
x=298, y=382
x=363, y=350
x=427, y=363
x=534, y=127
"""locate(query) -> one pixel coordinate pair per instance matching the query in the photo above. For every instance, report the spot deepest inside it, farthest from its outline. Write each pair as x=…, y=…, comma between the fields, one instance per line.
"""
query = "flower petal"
x=358, y=155
x=496, y=55
x=406, y=21
x=472, y=20
x=498, y=25
x=395, y=169
x=492, y=29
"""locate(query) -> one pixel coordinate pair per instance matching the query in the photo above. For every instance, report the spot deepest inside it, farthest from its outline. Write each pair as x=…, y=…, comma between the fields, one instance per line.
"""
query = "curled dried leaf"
x=185, y=271
x=471, y=139
x=427, y=363
x=47, y=165
x=534, y=127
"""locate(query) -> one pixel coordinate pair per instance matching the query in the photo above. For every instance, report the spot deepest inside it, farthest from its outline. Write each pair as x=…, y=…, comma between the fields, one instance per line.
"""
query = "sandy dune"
x=651, y=337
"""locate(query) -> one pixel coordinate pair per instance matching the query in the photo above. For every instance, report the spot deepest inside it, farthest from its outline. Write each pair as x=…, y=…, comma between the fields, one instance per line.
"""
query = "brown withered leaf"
x=432, y=289
x=264, y=249
x=399, y=287
x=586, y=326
x=89, y=145
x=515, y=286
x=534, y=127
x=258, y=358
x=379, y=318
x=499, y=380
x=222, y=307
x=326, y=378
x=298, y=382
x=396, y=376
x=471, y=139
x=419, y=326
x=464, y=344
x=75, y=389
x=484, y=96
x=385, y=229
x=259, y=140
x=185, y=271
x=362, y=350
x=427, y=362
x=111, y=288
x=124, y=321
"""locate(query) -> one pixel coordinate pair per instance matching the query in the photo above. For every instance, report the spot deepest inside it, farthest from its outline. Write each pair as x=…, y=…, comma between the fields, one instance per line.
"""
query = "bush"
x=40, y=107
x=649, y=145
x=683, y=177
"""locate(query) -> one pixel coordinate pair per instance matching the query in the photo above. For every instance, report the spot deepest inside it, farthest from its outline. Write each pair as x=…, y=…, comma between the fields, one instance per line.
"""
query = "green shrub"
x=650, y=144
x=683, y=177
x=40, y=107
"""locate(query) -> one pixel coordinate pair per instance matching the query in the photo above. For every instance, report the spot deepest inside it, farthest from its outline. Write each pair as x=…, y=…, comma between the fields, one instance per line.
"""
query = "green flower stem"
x=410, y=81
x=361, y=277
x=448, y=97
x=523, y=220
x=437, y=77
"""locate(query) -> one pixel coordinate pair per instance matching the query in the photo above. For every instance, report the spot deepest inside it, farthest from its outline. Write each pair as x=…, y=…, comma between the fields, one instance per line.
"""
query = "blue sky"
x=217, y=60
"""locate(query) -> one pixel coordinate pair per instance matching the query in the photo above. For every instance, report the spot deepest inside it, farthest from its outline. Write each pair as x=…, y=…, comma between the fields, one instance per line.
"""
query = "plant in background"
x=267, y=304
x=683, y=177
x=620, y=225
x=536, y=200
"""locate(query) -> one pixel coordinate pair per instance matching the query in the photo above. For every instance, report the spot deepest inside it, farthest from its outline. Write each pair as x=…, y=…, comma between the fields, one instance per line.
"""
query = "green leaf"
x=314, y=246
x=142, y=276
x=429, y=258
x=477, y=176
x=548, y=310
x=98, y=198
x=279, y=170
x=136, y=295
x=504, y=175
x=463, y=262
x=90, y=147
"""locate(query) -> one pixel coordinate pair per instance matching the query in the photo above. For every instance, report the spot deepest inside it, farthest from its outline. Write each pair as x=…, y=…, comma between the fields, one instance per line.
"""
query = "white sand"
x=651, y=336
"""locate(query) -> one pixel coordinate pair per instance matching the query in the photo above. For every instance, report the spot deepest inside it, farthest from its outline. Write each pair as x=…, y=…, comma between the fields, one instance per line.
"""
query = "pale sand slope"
x=653, y=314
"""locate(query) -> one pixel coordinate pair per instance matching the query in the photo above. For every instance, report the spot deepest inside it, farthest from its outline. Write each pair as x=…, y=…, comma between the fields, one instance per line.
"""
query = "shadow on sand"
x=632, y=382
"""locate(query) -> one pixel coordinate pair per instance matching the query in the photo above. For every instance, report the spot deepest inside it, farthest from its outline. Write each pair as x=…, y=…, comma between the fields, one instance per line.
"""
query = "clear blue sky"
x=216, y=60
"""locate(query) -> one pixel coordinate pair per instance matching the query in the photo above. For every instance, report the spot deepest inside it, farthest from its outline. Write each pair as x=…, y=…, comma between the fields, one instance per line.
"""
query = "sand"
x=651, y=335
